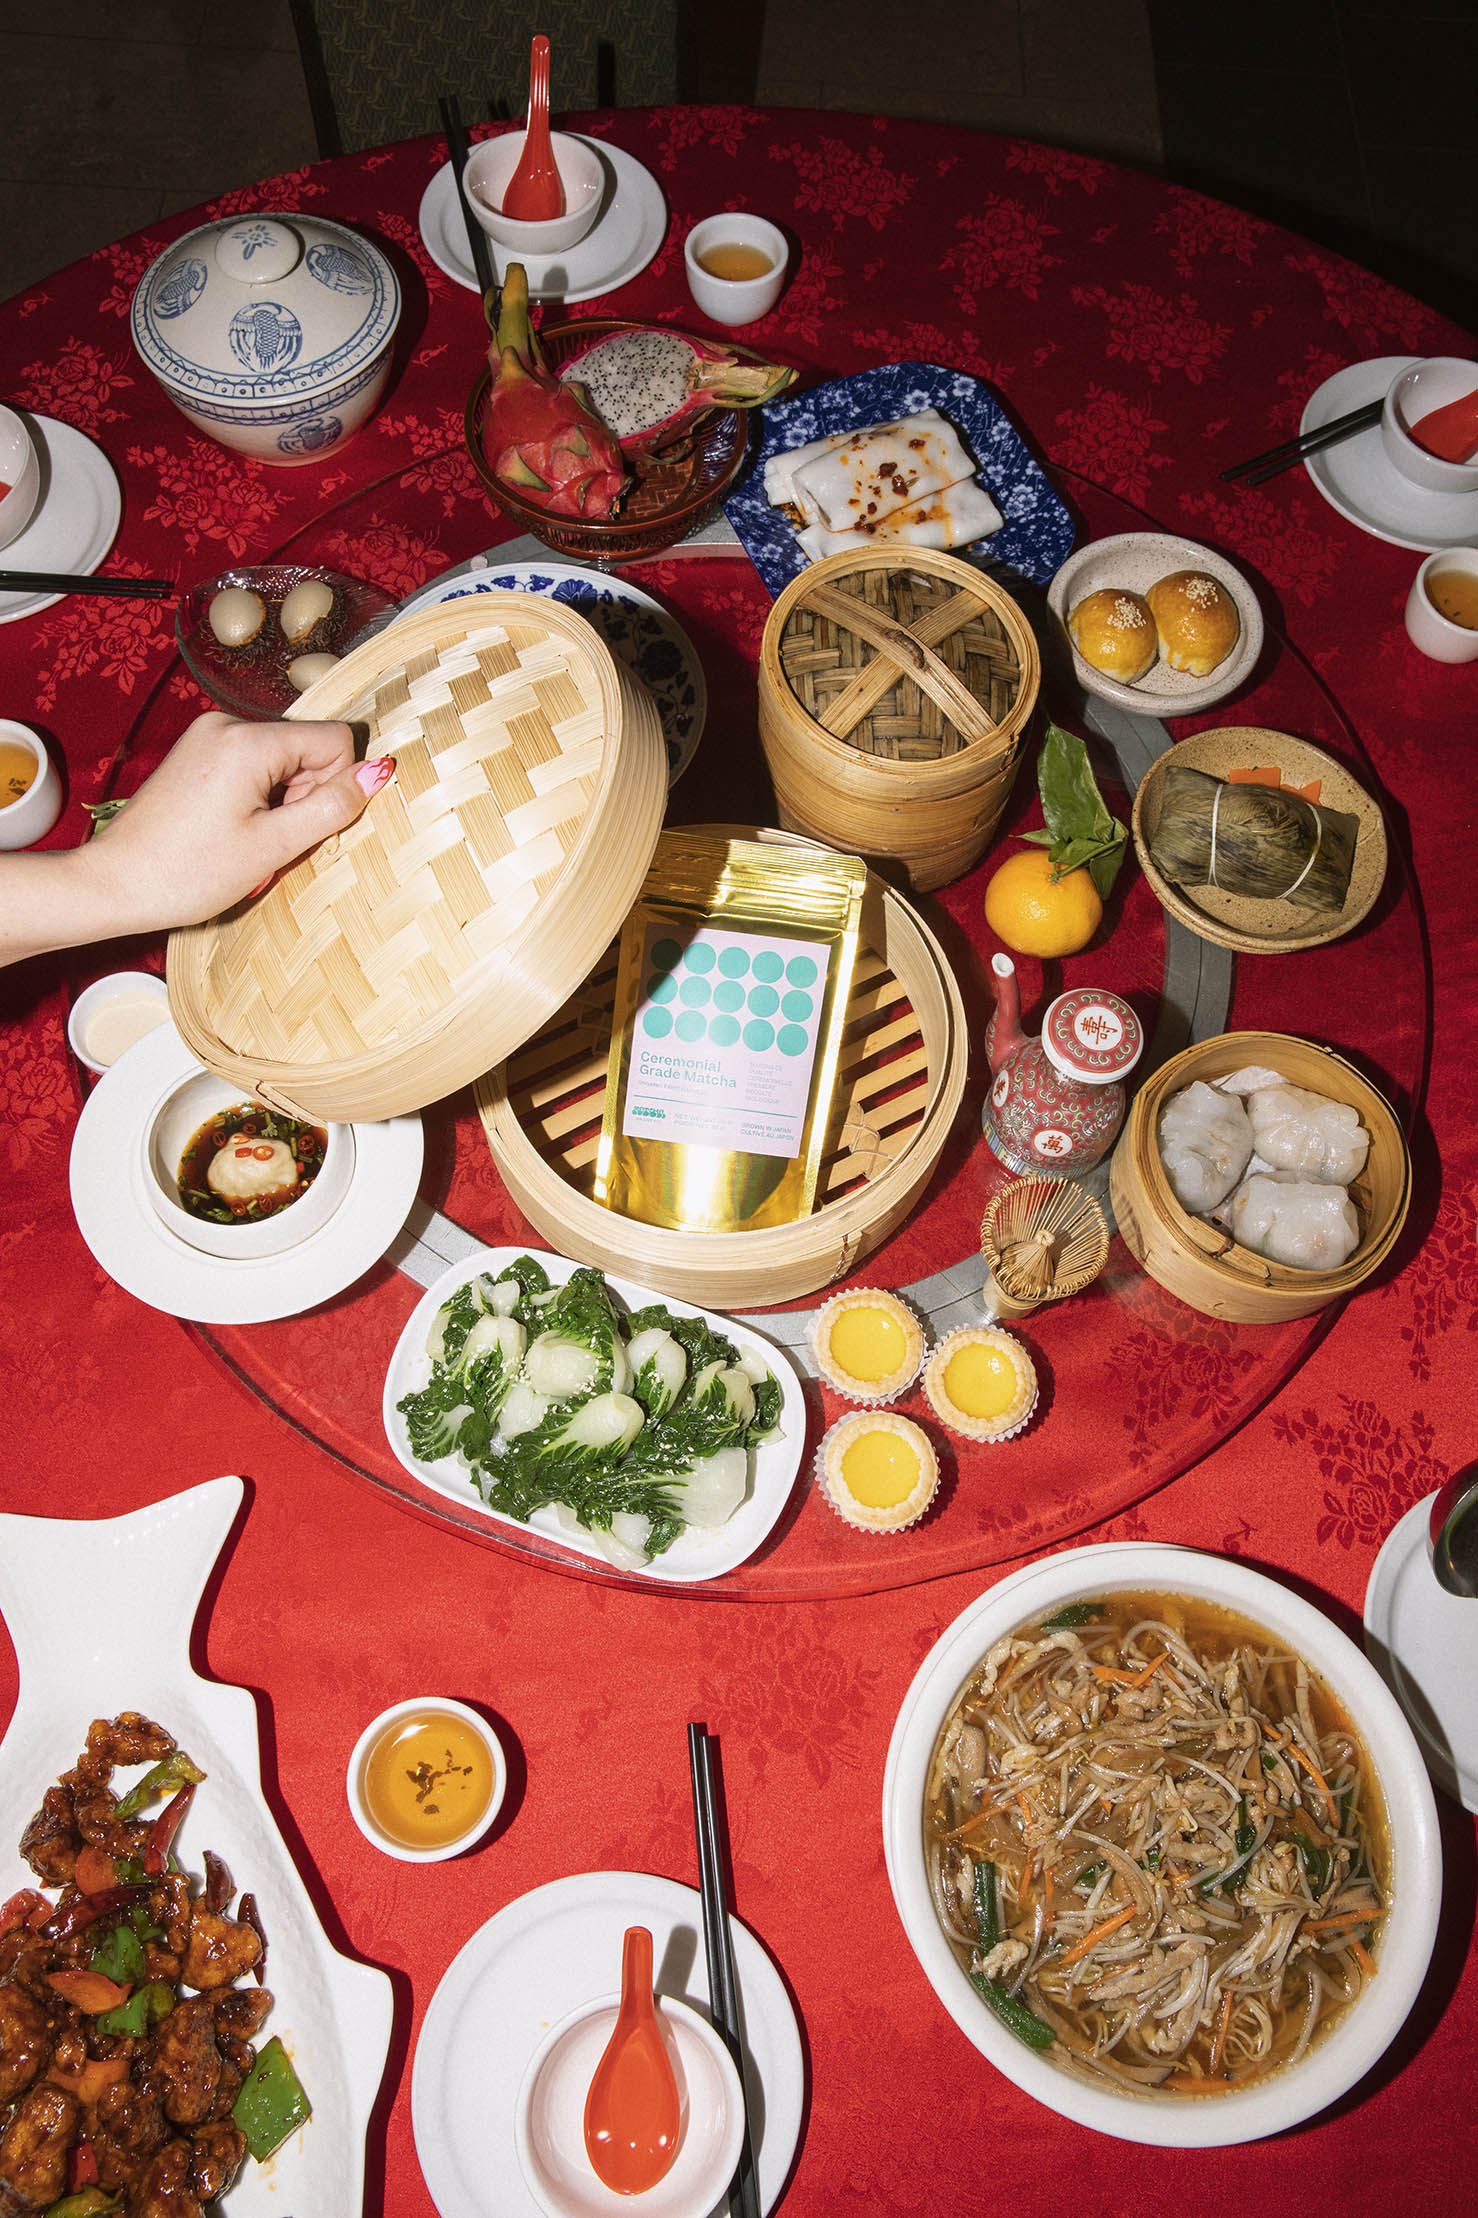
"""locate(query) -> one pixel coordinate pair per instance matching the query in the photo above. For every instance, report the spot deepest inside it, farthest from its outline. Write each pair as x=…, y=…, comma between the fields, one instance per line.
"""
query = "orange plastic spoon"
x=534, y=193
x=633, y=2115
x=1450, y=432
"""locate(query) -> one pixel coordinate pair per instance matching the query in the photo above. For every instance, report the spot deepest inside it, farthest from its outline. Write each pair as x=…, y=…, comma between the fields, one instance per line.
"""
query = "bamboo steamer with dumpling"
x=1199, y=1262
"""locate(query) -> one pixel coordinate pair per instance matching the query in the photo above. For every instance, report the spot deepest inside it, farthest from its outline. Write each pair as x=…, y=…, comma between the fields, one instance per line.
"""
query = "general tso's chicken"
x=34, y=2149
x=217, y=2152
x=25, y=2041
x=125, y=1739
x=241, y=2013
x=164, y=2189
x=183, y=2062
x=130, y=2129
x=218, y=1949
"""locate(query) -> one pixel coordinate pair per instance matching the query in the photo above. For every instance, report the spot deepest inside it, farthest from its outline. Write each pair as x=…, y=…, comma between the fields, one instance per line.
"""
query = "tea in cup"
x=1442, y=606
x=735, y=266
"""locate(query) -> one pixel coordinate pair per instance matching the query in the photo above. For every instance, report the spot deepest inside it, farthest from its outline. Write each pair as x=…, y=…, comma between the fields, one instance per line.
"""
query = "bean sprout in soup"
x=1156, y=1844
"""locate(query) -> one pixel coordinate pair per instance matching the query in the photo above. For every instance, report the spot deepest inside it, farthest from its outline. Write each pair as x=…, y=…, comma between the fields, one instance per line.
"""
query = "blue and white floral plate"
x=638, y=630
x=1038, y=533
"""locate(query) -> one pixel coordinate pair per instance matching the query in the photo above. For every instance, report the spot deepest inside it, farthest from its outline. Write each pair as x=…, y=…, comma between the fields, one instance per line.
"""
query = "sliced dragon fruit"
x=539, y=433
x=651, y=385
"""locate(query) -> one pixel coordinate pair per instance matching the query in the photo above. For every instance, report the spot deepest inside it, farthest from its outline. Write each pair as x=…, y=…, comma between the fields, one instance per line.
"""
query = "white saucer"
x=628, y=231
x=528, y=1967
x=1355, y=477
x=1424, y=1643
x=149, y=1261
x=76, y=519
x=638, y=630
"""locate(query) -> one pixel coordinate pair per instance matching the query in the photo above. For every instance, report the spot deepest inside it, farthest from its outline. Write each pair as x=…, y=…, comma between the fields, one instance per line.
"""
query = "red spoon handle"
x=534, y=193
x=1450, y=432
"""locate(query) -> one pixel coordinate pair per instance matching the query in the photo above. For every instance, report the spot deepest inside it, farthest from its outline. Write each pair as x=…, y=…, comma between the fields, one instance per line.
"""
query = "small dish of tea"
x=735, y=266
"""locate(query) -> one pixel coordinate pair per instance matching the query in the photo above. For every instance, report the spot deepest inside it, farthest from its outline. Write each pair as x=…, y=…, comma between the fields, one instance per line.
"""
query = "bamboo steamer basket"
x=1200, y=1263
x=895, y=689
x=400, y=960
x=899, y=1086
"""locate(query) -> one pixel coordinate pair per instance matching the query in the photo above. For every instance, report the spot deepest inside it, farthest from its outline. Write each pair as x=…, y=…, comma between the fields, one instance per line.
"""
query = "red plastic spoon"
x=633, y=2114
x=534, y=193
x=1450, y=432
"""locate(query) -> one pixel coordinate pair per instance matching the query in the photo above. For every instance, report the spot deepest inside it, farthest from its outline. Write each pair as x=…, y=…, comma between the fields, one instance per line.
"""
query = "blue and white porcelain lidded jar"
x=270, y=332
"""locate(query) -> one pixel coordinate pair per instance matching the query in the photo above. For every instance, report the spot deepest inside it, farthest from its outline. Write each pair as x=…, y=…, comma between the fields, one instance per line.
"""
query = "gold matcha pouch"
x=731, y=995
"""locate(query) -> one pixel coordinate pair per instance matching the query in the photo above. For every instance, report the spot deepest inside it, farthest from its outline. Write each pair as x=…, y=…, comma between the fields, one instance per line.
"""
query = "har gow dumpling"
x=1205, y=1145
x=1308, y=1225
x=1308, y=1134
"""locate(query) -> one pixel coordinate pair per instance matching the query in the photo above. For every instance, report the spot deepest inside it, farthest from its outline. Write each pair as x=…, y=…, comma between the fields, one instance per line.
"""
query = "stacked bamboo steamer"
x=900, y=1082
x=479, y=888
x=895, y=691
x=1199, y=1262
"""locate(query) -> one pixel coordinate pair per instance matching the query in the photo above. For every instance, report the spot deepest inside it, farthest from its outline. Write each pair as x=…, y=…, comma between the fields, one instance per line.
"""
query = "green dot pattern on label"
x=733, y=962
x=666, y=954
x=763, y=1001
x=694, y=993
x=768, y=967
x=657, y=1023
x=796, y=1006
x=723, y=1031
x=801, y=971
x=698, y=957
x=691, y=1026
x=758, y=1036
x=728, y=995
x=792, y=1039
x=662, y=987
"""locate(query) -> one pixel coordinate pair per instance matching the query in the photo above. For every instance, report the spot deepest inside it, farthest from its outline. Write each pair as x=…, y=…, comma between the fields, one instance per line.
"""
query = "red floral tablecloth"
x=1142, y=336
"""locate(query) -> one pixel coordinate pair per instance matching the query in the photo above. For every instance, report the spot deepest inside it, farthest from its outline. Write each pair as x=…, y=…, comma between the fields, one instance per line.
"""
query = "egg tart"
x=877, y=1470
x=981, y=1383
x=868, y=1345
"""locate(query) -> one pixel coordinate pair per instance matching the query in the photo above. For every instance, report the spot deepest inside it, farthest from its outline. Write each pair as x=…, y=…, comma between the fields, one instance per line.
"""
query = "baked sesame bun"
x=1196, y=619
x=1114, y=631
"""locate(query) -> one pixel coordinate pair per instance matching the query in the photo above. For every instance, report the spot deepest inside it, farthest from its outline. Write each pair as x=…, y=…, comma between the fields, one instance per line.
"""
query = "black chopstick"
x=723, y=1993
x=61, y=581
x=477, y=238
x=1257, y=467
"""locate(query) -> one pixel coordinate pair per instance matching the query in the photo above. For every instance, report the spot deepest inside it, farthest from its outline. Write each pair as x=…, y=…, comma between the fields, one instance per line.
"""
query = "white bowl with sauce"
x=1334, y=2062
x=173, y=1123
x=549, y=2122
x=110, y=1014
x=426, y=1779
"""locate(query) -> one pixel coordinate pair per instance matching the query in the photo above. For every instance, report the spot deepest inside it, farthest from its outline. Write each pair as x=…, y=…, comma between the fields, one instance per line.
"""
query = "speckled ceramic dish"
x=1134, y=561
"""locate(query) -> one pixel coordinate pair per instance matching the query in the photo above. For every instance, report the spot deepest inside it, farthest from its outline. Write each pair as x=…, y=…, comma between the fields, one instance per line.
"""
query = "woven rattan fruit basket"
x=479, y=888
x=1199, y=1262
x=895, y=691
x=901, y=1079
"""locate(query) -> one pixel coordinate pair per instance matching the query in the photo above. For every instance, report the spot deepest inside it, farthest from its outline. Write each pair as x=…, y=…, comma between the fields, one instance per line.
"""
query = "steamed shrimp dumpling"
x=1205, y=1145
x=1308, y=1134
x=1307, y=1224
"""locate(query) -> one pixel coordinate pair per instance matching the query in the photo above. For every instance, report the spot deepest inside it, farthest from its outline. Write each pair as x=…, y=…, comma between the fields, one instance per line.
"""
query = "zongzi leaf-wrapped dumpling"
x=1258, y=841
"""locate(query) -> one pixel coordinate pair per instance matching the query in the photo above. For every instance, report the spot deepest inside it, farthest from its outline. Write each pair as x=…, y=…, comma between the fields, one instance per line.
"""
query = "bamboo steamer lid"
x=895, y=690
x=401, y=959
x=900, y=1082
x=1199, y=1262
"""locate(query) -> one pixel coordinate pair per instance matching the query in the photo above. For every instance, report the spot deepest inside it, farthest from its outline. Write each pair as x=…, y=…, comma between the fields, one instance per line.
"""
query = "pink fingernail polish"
x=370, y=776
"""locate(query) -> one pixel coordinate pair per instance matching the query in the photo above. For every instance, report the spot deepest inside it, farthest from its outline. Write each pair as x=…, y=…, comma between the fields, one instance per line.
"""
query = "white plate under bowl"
x=1424, y=1643
x=151, y=1262
x=531, y=1965
x=1355, y=477
x=333, y=2013
x=1333, y=2064
x=76, y=516
x=628, y=231
x=1133, y=561
x=695, y=1554
x=639, y=631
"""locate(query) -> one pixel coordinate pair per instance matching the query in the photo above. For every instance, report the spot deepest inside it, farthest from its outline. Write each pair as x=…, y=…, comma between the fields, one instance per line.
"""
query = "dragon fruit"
x=539, y=432
x=651, y=385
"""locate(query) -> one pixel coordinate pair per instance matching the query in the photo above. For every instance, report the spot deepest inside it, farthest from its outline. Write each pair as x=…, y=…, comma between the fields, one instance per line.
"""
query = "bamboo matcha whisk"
x=1042, y=1239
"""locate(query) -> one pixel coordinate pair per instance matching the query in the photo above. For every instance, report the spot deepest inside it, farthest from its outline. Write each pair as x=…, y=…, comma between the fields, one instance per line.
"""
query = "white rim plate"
x=1424, y=1643
x=695, y=1554
x=334, y=2012
x=540, y=1958
x=639, y=631
x=152, y=1263
x=627, y=233
x=1355, y=477
x=76, y=518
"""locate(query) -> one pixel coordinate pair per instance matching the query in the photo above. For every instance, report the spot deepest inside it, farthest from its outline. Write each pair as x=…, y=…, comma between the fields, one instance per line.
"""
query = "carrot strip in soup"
x=1313, y=1771
x=1099, y=1933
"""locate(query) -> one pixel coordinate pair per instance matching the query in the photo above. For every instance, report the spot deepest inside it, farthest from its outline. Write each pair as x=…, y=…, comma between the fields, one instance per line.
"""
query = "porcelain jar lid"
x=1092, y=1036
x=264, y=307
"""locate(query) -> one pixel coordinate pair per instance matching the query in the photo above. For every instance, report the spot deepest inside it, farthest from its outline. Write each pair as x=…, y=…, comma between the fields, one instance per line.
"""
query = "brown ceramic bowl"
x=675, y=493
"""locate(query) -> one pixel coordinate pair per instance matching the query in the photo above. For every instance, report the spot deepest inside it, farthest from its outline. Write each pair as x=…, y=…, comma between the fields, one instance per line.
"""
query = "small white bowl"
x=1134, y=561
x=1352, y=2047
x=549, y=2122
x=32, y=816
x=178, y=1115
x=735, y=300
x=369, y=1739
x=1412, y=394
x=582, y=173
x=1426, y=626
x=20, y=472
x=110, y=1014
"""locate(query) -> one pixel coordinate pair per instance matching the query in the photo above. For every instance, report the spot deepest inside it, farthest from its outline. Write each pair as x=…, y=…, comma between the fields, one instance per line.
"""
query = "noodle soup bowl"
x=1334, y=2061
x=177, y=1116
